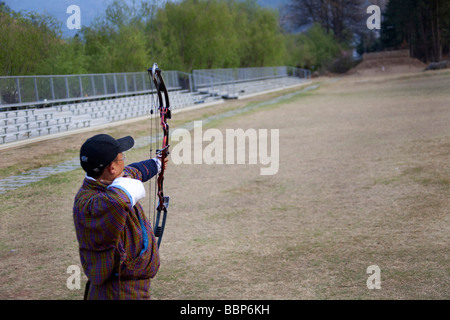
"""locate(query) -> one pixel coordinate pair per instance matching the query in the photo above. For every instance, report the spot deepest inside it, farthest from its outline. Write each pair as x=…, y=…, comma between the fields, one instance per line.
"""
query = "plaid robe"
x=117, y=246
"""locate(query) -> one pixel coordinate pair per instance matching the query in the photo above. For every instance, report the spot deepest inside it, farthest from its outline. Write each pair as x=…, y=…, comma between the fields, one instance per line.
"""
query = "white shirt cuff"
x=158, y=163
x=133, y=188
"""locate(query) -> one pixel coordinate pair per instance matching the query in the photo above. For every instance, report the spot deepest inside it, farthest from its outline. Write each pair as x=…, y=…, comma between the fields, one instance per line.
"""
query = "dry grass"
x=364, y=179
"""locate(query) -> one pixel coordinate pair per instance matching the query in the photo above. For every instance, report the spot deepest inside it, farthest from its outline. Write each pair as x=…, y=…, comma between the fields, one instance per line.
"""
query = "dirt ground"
x=386, y=63
x=363, y=180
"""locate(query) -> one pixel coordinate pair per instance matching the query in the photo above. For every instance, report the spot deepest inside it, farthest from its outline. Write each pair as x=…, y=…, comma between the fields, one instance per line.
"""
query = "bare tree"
x=342, y=17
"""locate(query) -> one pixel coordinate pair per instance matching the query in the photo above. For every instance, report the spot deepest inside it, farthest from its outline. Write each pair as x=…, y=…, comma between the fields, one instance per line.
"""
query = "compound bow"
x=165, y=113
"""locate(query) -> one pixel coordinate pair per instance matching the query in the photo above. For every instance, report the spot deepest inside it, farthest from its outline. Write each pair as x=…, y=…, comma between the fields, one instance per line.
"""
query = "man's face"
x=119, y=163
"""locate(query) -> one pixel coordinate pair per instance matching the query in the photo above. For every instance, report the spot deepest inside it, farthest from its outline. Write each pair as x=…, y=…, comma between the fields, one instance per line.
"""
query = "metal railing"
x=208, y=77
x=42, y=90
x=34, y=91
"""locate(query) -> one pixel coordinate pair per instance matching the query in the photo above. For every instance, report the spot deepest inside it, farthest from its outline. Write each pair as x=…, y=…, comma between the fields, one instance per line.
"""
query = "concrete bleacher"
x=248, y=88
x=22, y=124
x=16, y=125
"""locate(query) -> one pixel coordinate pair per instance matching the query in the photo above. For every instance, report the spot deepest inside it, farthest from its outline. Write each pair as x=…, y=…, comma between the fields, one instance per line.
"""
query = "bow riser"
x=165, y=113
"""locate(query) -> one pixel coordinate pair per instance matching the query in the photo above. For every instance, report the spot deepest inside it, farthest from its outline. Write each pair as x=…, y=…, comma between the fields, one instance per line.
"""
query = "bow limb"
x=164, y=113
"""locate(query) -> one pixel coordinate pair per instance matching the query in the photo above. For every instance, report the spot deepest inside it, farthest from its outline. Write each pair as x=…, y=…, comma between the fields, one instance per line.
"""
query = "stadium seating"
x=34, y=122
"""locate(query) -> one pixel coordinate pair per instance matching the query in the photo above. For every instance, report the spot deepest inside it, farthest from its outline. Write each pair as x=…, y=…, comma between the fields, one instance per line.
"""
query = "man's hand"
x=165, y=161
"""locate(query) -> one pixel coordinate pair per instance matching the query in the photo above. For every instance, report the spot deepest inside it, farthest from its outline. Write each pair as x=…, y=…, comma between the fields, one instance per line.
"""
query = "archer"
x=118, y=249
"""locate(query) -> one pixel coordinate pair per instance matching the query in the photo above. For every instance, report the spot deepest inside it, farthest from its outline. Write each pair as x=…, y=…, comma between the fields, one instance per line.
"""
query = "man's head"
x=99, y=151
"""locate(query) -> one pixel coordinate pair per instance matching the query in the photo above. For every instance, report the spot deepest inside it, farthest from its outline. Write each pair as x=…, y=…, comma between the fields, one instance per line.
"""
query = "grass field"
x=364, y=179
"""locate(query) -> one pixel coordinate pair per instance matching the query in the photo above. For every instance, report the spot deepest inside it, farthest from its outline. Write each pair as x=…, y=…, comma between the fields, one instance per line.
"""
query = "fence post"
x=53, y=89
x=115, y=83
x=81, y=86
x=36, y=89
x=67, y=87
x=93, y=85
x=18, y=90
x=104, y=84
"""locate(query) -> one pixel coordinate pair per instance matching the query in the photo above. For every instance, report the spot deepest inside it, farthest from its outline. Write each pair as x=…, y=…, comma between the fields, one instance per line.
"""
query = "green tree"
x=68, y=57
x=313, y=49
x=194, y=35
x=200, y=34
x=262, y=41
x=26, y=41
x=116, y=42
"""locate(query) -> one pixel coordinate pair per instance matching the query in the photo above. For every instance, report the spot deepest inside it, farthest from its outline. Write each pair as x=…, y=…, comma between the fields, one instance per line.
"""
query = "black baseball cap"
x=99, y=151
